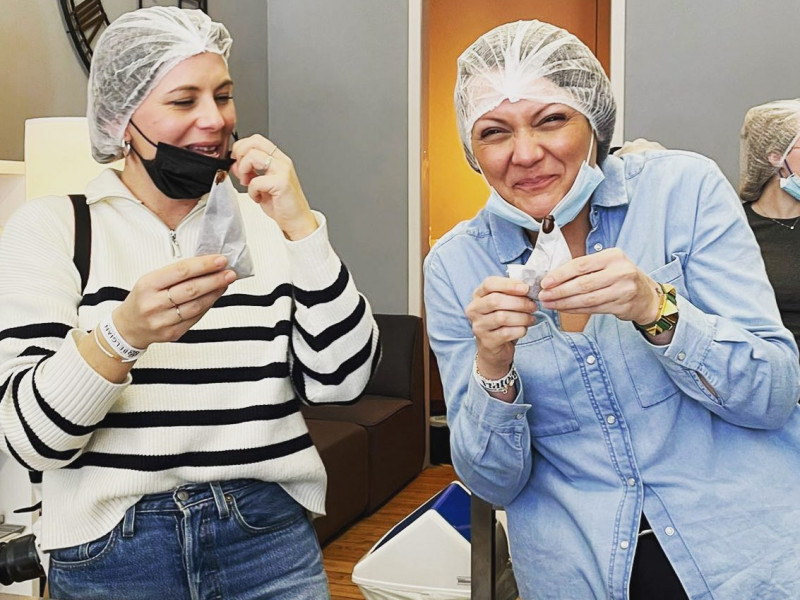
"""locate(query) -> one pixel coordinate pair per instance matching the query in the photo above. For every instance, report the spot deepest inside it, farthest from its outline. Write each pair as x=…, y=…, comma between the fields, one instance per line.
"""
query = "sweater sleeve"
x=335, y=341
x=50, y=398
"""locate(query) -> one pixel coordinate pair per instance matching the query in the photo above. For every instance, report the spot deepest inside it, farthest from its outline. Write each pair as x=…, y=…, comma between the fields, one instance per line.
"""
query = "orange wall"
x=455, y=191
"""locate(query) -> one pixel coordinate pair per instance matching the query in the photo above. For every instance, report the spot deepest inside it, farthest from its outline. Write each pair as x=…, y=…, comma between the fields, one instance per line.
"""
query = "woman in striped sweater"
x=160, y=396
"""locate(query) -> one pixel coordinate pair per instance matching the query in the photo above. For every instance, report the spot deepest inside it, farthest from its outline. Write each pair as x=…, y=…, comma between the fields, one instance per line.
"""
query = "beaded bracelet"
x=501, y=385
x=117, y=343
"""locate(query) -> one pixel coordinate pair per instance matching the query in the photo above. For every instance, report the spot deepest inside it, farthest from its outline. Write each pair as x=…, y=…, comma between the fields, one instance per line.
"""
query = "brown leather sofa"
x=374, y=446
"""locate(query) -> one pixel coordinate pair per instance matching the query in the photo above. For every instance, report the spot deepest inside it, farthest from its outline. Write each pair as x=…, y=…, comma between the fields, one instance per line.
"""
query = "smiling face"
x=191, y=107
x=530, y=152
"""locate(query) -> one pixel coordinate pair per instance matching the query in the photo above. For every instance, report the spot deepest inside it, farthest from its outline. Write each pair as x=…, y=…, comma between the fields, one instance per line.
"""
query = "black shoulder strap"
x=83, y=237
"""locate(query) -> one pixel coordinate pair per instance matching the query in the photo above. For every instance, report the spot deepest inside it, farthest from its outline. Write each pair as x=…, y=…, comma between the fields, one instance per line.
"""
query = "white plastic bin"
x=424, y=557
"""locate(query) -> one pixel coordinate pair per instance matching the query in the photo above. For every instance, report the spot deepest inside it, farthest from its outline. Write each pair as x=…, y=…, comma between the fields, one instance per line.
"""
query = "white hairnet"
x=510, y=61
x=131, y=57
x=769, y=129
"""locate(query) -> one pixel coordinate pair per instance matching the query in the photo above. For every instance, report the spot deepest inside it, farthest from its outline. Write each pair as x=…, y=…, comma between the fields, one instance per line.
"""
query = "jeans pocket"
x=264, y=508
x=84, y=554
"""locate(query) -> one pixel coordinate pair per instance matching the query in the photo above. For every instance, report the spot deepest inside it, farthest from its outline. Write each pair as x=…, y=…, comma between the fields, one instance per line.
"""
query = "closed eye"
x=490, y=131
x=553, y=118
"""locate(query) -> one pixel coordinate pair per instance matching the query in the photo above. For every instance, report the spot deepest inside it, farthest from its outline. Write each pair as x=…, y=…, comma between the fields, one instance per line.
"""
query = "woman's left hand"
x=272, y=181
x=605, y=282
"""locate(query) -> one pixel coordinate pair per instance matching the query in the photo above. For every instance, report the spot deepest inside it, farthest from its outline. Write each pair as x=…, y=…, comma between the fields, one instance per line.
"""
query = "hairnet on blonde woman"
x=768, y=133
x=532, y=60
x=131, y=57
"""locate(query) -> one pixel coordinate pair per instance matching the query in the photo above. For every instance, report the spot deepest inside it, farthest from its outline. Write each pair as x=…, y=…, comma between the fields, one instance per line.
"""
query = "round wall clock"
x=86, y=20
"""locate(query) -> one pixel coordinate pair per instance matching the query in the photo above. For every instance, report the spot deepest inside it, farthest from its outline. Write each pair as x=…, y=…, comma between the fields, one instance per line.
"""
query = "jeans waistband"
x=186, y=496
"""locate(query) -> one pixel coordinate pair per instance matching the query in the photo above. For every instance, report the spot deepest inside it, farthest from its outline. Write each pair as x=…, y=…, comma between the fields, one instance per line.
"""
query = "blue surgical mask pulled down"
x=568, y=207
x=791, y=184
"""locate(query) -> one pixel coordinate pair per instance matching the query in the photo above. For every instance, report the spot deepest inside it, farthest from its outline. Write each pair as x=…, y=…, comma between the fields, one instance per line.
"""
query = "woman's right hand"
x=500, y=314
x=164, y=304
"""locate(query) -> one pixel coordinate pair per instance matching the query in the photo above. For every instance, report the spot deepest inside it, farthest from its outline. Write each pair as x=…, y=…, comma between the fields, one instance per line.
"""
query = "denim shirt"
x=701, y=435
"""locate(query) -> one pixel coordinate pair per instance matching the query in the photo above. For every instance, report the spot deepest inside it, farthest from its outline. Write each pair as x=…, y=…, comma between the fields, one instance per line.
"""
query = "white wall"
x=694, y=67
x=338, y=103
x=40, y=72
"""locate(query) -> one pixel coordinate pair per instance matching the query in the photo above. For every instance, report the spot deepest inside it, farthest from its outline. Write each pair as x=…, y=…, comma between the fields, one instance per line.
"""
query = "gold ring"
x=169, y=296
x=271, y=152
x=180, y=316
x=267, y=163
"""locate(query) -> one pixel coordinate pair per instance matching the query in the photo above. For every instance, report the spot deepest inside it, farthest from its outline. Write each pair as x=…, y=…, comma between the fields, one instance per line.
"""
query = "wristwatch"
x=495, y=385
x=667, y=311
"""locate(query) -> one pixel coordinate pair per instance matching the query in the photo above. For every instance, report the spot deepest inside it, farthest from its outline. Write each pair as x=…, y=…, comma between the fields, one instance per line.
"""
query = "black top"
x=780, y=246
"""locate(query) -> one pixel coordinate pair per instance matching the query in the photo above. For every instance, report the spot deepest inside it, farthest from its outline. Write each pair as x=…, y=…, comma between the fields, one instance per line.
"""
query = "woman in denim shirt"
x=638, y=420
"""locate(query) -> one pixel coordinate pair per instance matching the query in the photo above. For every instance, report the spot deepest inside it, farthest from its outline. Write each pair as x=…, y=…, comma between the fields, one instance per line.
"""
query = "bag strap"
x=82, y=253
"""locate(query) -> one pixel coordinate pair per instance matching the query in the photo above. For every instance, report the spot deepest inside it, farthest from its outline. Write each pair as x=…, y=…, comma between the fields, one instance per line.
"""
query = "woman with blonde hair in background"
x=770, y=189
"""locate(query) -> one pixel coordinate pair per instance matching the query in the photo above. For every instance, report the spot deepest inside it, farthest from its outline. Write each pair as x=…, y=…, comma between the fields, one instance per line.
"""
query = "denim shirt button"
x=624, y=544
x=669, y=531
x=631, y=481
x=611, y=419
x=591, y=359
x=681, y=355
x=598, y=246
x=518, y=416
x=183, y=496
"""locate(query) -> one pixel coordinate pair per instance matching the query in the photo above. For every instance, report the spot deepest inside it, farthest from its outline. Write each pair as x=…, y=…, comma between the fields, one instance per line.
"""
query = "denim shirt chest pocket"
x=649, y=379
x=537, y=361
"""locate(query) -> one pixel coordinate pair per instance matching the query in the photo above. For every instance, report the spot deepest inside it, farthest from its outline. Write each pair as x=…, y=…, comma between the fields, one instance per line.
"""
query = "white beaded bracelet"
x=116, y=342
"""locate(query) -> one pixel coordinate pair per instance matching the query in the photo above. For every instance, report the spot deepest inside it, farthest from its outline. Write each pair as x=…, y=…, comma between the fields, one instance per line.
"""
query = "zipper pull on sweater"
x=176, y=249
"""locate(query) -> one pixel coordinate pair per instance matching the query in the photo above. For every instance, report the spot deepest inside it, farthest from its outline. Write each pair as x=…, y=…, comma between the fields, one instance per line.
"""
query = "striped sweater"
x=220, y=403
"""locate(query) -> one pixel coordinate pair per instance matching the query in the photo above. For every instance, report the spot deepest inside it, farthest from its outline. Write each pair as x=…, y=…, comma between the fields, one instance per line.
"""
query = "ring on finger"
x=268, y=162
x=169, y=296
x=180, y=316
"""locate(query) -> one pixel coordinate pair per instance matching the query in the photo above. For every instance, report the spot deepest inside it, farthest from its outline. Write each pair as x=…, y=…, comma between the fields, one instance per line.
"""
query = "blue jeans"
x=242, y=539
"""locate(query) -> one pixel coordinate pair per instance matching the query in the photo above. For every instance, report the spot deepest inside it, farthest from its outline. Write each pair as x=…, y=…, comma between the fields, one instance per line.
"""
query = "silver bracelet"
x=496, y=385
x=116, y=342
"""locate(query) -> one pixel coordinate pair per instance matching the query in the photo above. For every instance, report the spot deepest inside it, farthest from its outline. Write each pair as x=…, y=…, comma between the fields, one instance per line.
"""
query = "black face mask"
x=179, y=173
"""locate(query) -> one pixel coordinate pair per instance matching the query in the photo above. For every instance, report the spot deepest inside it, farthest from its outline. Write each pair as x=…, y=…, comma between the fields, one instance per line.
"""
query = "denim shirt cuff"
x=492, y=412
x=693, y=336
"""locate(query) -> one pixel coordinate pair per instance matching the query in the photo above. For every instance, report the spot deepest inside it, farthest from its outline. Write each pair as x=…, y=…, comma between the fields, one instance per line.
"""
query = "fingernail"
x=545, y=283
x=220, y=261
x=230, y=276
x=522, y=288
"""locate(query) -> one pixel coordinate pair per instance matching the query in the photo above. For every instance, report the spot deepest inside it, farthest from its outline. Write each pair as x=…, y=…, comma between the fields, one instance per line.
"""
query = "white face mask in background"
x=791, y=184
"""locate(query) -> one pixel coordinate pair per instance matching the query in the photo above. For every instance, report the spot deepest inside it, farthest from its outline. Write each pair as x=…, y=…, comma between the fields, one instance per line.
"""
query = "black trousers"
x=653, y=577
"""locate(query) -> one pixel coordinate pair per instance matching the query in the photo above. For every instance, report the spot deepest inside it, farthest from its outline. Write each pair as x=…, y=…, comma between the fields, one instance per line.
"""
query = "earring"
x=126, y=147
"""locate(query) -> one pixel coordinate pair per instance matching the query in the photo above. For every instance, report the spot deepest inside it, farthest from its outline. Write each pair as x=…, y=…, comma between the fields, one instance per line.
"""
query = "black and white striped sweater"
x=220, y=403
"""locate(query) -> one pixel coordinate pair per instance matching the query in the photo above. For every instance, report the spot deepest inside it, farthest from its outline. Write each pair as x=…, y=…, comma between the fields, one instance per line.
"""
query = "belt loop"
x=219, y=500
x=127, y=522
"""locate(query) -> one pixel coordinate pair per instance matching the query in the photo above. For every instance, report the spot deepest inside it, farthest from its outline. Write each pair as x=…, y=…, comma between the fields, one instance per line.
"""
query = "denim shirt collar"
x=510, y=240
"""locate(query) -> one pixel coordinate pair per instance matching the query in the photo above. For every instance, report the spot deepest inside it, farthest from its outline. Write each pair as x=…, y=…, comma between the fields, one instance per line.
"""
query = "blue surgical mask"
x=568, y=207
x=791, y=184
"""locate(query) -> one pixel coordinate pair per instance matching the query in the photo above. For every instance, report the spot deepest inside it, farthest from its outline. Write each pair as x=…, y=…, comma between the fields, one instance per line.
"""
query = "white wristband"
x=116, y=342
